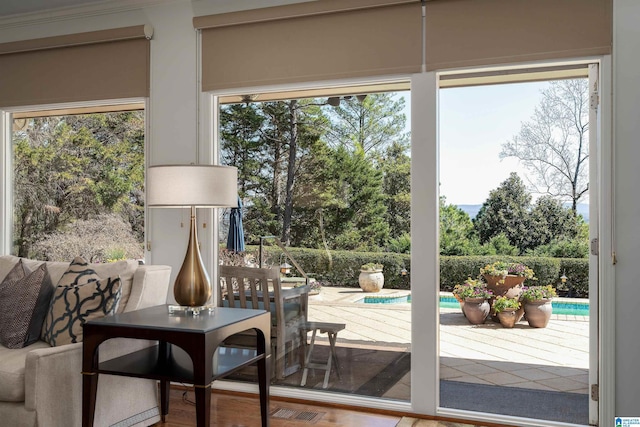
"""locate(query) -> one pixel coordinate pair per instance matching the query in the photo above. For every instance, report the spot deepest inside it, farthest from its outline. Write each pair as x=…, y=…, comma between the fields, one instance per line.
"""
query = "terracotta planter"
x=538, y=312
x=511, y=287
x=371, y=281
x=461, y=302
x=508, y=317
x=476, y=310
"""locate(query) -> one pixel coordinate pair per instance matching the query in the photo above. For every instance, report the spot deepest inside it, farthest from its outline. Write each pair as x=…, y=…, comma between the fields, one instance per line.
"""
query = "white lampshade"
x=207, y=186
x=191, y=185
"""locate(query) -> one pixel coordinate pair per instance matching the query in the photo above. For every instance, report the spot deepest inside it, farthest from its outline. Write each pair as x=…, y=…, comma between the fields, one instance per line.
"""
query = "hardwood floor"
x=241, y=410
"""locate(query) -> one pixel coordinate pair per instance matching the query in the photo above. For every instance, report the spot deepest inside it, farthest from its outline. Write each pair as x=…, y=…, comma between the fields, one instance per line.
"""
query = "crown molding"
x=104, y=7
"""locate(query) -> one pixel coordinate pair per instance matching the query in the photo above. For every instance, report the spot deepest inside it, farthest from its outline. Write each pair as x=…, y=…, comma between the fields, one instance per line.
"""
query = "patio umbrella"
x=235, y=239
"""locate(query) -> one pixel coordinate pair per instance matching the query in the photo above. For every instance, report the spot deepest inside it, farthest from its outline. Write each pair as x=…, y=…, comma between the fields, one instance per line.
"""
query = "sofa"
x=41, y=384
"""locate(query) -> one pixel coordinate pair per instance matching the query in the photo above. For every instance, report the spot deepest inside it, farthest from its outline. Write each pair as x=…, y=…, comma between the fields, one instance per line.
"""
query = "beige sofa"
x=42, y=385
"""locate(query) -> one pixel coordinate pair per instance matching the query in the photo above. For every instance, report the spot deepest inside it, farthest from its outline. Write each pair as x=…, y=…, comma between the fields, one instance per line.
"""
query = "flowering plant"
x=501, y=268
x=519, y=269
x=502, y=303
x=498, y=268
x=472, y=288
x=533, y=293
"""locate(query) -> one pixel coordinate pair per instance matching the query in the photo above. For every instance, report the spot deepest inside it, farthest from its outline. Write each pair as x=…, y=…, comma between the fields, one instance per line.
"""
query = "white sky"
x=474, y=123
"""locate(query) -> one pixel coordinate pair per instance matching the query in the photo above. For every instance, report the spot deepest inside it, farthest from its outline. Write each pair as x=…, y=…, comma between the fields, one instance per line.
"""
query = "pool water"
x=559, y=307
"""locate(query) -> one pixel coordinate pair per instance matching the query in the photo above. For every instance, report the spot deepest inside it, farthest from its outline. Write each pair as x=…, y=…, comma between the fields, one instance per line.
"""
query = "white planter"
x=371, y=281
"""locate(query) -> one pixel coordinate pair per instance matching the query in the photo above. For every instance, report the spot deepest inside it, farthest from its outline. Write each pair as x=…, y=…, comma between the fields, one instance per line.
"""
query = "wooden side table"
x=331, y=329
x=189, y=351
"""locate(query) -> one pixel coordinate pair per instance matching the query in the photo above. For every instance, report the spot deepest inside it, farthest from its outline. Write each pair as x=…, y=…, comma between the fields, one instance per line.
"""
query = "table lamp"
x=192, y=186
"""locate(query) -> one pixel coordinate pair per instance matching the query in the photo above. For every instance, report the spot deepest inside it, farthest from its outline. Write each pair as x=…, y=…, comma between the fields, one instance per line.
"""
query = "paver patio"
x=555, y=358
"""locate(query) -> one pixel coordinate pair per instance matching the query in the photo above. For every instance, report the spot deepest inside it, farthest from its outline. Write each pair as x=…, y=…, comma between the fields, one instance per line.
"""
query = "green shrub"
x=342, y=268
x=577, y=272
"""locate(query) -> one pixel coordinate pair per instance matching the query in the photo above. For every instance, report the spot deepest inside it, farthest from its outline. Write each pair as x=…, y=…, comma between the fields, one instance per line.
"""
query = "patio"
x=554, y=359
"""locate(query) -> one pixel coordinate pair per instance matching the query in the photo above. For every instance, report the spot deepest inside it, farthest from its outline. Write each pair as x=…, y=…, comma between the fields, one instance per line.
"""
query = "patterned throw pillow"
x=24, y=301
x=78, y=273
x=73, y=305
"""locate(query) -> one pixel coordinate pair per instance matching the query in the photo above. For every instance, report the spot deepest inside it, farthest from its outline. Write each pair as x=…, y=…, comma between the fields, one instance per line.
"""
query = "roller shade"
x=91, y=66
x=461, y=33
x=313, y=41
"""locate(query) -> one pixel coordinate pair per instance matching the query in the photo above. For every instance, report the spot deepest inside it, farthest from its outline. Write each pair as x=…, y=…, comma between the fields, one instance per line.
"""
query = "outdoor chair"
x=259, y=288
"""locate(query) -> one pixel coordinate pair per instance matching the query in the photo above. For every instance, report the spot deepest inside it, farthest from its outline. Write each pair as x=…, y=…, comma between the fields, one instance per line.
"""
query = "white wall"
x=626, y=128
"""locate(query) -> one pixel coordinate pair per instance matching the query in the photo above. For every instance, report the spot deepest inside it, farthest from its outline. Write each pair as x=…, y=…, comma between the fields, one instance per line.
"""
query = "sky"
x=474, y=123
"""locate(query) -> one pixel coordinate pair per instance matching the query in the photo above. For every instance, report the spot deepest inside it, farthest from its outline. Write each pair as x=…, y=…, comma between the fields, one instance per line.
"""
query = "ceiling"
x=17, y=7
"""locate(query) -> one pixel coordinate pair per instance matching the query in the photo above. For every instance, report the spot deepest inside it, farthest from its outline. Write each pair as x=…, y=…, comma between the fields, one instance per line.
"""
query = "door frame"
x=425, y=378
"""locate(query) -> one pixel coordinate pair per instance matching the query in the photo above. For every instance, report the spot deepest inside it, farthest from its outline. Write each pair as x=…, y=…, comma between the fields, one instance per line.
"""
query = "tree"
x=354, y=216
x=77, y=167
x=554, y=145
x=241, y=139
x=370, y=123
x=456, y=229
x=506, y=210
x=551, y=220
x=396, y=167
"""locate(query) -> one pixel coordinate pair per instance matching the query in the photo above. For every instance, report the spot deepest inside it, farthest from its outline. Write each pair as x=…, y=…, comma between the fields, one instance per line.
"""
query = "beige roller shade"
x=313, y=41
x=80, y=67
x=461, y=33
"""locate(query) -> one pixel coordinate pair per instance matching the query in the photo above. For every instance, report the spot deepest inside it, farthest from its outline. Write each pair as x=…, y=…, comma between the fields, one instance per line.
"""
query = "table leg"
x=164, y=399
x=203, y=405
x=263, y=387
x=90, y=360
x=327, y=373
x=263, y=376
x=307, y=358
x=89, y=390
x=165, y=385
x=332, y=343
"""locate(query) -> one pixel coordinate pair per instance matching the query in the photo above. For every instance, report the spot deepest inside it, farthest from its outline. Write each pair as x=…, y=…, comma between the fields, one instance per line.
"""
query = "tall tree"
x=396, y=167
x=358, y=212
x=369, y=123
x=554, y=145
x=241, y=139
x=506, y=210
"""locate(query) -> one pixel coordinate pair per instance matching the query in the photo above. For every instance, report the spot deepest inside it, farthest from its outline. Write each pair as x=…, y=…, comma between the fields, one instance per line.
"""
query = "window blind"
x=98, y=65
x=313, y=41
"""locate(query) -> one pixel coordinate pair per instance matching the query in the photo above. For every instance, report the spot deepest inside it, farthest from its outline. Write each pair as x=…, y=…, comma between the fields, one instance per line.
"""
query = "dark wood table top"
x=158, y=317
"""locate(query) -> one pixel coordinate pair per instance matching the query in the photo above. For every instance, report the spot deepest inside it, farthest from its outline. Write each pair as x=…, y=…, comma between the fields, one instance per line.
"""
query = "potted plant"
x=508, y=310
x=460, y=290
x=506, y=279
x=537, y=304
x=371, y=278
x=475, y=296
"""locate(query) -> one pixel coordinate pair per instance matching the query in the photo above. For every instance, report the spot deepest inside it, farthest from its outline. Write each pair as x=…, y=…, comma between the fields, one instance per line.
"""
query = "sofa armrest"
x=149, y=288
x=55, y=372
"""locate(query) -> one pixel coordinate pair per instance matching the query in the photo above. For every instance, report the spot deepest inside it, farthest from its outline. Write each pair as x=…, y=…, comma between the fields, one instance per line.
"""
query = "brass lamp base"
x=192, y=287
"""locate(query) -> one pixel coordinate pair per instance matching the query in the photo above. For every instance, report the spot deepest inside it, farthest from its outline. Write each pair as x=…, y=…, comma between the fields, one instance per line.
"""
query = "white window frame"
x=6, y=158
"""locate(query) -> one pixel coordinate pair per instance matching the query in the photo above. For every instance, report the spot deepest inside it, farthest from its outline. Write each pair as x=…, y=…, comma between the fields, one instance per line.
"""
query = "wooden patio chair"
x=260, y=288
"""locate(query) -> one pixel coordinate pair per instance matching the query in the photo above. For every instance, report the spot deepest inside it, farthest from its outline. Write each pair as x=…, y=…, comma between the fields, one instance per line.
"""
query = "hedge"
x=341, y=268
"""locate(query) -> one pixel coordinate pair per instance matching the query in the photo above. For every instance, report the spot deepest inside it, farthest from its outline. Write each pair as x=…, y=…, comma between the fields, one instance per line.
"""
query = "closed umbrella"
x=235, y=239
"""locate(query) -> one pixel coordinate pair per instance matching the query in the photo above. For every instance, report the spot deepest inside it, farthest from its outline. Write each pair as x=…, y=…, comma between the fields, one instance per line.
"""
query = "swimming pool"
x=559, y=307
